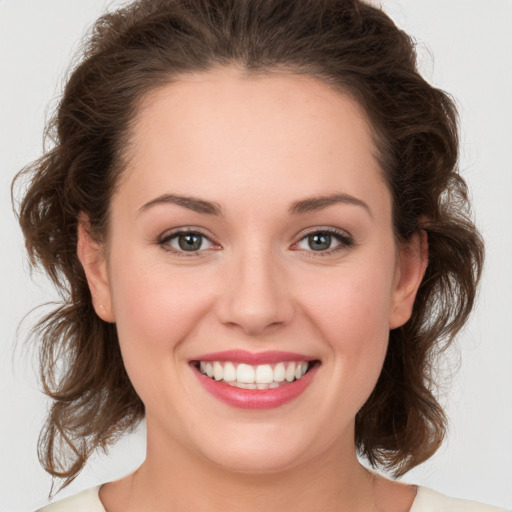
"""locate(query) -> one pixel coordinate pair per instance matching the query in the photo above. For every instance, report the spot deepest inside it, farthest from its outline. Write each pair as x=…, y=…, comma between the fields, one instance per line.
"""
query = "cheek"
x=350, y=311
x=156, y=305
x=156, y=308
x=351, y=300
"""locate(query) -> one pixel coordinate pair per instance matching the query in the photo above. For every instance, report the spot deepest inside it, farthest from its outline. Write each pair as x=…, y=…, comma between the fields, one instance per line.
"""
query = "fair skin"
x=252, y=148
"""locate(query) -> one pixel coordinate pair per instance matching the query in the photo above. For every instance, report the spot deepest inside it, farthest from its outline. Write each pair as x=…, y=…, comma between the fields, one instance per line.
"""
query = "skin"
x=253, y=146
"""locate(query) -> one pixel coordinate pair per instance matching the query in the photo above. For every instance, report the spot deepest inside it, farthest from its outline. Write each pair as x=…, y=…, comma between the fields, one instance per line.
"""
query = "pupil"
x=190, y=242
x=319, y=241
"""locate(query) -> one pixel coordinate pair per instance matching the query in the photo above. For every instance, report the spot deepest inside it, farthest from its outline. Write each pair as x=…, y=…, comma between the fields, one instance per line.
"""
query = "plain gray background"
x=466, y=49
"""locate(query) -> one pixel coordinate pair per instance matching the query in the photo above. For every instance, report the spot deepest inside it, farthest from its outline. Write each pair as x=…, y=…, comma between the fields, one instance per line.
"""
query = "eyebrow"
x=313, y=204
x=192, y=203
x=301, y=207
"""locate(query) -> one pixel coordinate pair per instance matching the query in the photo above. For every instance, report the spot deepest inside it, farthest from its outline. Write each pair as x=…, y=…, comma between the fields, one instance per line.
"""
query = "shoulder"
x=428, y=500
x=85, y=501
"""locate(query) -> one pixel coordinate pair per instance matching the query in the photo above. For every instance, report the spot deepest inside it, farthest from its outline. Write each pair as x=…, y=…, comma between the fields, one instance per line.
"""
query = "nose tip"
x=254, y=321
x=256, y=300
x=253, y=326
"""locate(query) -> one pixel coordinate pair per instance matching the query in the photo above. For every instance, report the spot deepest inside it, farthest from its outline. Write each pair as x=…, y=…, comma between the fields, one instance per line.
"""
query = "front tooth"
x=209, y=370
x=279, y=372
x=218, y=372
x=290, y=372
x=245, y=373
x=264, y=374
x=229, y=372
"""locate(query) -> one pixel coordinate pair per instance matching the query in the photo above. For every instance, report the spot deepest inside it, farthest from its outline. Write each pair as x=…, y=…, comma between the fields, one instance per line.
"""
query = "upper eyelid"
x=184, y=229
x=323, y=229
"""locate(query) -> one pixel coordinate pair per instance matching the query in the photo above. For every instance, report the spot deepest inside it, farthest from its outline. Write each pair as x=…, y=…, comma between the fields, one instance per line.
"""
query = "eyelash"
x=345, y=241
x=164, y=240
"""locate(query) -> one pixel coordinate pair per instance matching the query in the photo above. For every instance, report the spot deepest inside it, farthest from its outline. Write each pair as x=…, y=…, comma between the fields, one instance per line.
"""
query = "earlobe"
x=92, y=257
x=413, y=261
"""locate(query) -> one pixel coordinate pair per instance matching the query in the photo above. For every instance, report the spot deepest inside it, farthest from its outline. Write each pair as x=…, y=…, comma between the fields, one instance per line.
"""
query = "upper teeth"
x=260, y=376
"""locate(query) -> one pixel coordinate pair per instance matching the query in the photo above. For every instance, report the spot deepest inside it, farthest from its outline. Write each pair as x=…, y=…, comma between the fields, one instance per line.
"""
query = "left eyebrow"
x=313, y=204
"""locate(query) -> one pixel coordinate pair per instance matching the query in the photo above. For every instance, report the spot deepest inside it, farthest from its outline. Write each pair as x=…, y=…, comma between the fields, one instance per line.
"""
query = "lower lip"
x=256, y=398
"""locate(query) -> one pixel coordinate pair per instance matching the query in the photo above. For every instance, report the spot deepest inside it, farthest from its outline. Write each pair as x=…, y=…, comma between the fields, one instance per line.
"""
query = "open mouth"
x=261, y=376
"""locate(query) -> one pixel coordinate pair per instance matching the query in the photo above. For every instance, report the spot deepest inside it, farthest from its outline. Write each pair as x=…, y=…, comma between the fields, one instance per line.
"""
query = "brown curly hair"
x=347, y=44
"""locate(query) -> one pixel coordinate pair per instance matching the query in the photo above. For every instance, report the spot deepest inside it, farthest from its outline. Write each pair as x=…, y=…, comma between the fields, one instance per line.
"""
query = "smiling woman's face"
x=251, y=236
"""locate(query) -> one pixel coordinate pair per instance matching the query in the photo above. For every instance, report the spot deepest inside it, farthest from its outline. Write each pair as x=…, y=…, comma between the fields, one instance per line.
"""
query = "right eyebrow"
x=192, y=203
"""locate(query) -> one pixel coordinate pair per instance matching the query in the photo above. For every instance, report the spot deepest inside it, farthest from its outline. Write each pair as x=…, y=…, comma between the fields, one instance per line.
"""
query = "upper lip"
x=253, y=358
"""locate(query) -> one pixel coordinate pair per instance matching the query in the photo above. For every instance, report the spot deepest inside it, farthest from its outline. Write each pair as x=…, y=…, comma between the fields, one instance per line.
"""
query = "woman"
x=254, y=195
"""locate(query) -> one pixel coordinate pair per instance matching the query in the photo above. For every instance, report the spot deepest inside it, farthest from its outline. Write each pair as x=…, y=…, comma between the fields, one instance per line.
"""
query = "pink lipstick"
x=250, y=380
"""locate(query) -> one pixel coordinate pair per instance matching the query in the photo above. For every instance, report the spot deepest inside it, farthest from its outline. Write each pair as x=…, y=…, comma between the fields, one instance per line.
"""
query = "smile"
x=249, y=380
x=262, y=376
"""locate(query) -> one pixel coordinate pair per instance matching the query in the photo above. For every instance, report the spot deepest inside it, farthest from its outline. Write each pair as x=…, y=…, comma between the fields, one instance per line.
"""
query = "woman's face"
x=252, y=232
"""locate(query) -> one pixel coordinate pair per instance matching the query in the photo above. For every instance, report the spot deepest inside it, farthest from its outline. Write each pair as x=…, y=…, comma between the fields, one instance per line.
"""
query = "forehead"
x=219, y=132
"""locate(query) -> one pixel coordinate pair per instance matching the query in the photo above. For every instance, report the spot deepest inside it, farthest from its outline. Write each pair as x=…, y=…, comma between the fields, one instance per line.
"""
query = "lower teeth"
x=243, y=385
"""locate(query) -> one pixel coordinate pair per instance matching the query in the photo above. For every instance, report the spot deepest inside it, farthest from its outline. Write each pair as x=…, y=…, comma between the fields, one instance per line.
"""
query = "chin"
x=256, y=460
x=251, y=449
x=263, y=449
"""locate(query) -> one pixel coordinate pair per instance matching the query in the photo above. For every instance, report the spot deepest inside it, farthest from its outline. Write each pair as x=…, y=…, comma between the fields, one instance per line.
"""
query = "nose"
x=255, y=296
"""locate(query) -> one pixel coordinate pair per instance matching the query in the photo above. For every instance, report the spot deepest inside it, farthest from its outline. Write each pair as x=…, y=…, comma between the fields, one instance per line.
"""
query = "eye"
x=186, y=241
x=325, y=241
x=318, y=241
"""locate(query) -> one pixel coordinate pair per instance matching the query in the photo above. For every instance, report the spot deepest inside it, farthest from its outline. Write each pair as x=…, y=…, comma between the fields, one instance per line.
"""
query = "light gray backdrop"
x=466, y=49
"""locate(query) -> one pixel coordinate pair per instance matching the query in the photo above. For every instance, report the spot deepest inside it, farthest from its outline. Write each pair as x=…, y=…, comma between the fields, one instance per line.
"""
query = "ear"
x=411, y=266
x=91, y=254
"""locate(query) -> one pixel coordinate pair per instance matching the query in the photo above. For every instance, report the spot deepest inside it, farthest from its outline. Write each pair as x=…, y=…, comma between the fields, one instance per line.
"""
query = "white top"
x=426, y=500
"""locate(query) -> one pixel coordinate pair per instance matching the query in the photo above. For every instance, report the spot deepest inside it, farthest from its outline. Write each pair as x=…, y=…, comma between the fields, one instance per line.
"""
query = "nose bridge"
x=256, y=296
